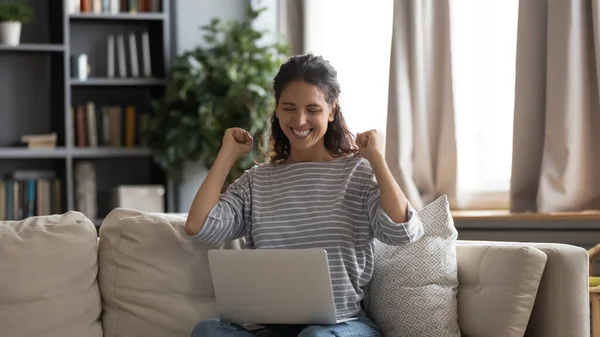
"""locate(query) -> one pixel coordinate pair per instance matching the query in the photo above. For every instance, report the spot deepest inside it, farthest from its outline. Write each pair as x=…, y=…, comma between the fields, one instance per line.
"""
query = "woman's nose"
x=301, y=117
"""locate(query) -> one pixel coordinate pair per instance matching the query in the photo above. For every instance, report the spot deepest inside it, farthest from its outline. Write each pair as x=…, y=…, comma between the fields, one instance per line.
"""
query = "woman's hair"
x=317, y=71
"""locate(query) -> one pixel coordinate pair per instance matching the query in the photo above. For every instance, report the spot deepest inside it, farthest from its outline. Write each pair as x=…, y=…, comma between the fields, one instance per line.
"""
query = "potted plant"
x=224, y=83
x=13, y=13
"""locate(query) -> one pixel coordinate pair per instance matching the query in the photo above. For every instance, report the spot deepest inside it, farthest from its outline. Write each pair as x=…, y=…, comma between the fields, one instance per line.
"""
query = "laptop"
x=273, y=286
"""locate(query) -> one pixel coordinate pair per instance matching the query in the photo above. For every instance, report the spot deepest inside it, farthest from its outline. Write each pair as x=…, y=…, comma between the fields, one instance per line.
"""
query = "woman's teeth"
x=301, y=133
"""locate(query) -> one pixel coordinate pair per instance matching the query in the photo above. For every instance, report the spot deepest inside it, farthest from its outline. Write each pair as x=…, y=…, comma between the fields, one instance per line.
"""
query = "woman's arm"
x=229, y=211
x=392, y=218
x=208, y=195
x=393, y=201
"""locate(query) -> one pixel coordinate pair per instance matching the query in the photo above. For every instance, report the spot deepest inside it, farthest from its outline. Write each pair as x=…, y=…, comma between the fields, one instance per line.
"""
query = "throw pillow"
x=414, y=287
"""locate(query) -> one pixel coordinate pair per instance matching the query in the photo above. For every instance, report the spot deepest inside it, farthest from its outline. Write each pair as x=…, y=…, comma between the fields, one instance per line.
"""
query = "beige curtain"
x=556, y=146
x=420, y=135
x=291, y=24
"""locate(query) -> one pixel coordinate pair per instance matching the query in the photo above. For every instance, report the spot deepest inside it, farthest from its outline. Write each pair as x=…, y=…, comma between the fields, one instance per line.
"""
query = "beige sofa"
x=144, y=277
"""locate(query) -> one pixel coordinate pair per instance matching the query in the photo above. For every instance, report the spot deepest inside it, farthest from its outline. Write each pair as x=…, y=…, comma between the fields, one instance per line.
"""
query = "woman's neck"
x=308, y=155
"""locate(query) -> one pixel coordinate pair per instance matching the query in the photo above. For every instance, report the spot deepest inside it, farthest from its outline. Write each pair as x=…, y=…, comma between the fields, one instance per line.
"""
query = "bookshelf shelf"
x=33, y=47
x=117, y=17
x=119, y=82
x=110, y=152
x=62, y=152
x=26, y=153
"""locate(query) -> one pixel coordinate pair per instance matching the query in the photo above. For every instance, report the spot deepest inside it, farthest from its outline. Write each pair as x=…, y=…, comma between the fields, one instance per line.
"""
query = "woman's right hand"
x=237, y=143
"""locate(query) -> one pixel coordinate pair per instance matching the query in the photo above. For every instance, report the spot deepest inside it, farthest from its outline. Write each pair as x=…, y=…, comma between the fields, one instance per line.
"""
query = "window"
x=484, y=40
x=356, y=38
x=357, y=41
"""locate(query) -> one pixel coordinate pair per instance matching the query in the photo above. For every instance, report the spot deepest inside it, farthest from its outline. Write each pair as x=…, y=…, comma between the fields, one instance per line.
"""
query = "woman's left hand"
x=370, y=144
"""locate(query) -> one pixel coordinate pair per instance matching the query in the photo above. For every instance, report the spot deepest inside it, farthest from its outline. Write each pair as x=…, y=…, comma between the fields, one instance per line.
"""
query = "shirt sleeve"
x=384, y=228
x=230, y=218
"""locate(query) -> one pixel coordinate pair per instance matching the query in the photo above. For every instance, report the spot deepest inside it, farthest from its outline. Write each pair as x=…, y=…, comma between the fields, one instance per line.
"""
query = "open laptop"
x=273, y=286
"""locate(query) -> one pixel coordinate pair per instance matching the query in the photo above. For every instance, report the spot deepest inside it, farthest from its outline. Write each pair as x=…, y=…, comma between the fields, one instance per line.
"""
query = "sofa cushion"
x=414, y=286
x=48, y=277
x=498, y=287
x=155, y=280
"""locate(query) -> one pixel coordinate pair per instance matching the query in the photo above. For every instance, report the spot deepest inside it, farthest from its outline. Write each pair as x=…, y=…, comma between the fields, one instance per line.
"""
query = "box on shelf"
x=145, y=198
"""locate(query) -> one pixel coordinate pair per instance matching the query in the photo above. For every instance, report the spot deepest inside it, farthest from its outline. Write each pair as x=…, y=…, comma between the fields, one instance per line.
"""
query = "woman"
x=321, y=189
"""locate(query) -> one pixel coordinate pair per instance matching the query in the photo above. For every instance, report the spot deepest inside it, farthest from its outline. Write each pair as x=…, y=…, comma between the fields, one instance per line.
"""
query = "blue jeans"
x=361, y=327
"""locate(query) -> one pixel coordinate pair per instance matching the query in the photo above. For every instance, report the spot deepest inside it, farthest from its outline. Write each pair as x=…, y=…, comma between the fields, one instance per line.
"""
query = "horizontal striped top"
x=332, y=205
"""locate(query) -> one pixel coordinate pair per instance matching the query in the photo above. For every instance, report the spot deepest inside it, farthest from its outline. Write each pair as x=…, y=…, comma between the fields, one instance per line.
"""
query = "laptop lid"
x=272, y=286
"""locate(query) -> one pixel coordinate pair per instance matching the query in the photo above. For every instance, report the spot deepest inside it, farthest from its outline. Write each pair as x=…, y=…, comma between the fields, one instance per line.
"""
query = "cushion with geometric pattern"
x=413, y=291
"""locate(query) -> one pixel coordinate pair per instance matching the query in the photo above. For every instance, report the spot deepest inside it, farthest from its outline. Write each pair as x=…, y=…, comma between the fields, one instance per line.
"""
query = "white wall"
x=189, y=15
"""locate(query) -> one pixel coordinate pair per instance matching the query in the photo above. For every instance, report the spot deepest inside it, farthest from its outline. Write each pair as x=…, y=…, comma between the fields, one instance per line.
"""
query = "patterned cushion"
x=414, y=287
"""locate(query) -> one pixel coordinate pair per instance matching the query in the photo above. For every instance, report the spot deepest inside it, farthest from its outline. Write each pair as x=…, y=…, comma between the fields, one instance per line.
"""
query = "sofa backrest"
x=48, y=277
x=510, y=270
x=155, y=280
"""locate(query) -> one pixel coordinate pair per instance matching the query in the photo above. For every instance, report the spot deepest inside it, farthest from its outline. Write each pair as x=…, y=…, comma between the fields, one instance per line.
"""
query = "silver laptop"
x=273, y=286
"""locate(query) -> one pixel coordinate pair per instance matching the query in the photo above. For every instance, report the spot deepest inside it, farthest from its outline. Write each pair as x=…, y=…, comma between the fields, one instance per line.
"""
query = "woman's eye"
x=313, y=111
x=289, y=109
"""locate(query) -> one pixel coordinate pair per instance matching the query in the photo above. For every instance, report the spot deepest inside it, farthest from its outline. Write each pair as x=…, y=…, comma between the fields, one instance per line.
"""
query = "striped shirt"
x=331, y=205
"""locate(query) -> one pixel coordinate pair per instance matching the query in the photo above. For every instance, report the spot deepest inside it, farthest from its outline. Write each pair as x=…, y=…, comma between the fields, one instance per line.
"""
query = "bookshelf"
x=40, y=94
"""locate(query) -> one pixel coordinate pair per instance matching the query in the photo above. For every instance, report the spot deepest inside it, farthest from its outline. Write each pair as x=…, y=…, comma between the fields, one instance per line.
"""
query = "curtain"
x=291, y=24
x=556, y=137
x=420, y=134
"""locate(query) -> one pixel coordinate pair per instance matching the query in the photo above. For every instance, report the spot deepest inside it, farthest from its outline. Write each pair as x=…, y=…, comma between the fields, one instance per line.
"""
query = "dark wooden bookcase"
x=39, y=95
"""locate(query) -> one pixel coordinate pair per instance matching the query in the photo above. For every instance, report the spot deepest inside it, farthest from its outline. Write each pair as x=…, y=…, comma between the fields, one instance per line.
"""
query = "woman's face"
x=303, y=115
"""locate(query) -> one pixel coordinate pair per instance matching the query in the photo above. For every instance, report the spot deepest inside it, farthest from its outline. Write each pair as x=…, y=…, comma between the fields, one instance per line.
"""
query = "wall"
x=189, y=15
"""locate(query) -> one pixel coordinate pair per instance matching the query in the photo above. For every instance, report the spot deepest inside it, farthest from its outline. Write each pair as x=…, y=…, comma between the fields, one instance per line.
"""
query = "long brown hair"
x=315, y=70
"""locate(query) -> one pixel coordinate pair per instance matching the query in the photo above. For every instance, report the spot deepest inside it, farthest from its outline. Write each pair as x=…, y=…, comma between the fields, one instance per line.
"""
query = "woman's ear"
x=332, y=112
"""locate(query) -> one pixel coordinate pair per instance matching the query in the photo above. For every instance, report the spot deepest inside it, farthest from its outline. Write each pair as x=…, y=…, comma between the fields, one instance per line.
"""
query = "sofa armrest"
x=562, y=306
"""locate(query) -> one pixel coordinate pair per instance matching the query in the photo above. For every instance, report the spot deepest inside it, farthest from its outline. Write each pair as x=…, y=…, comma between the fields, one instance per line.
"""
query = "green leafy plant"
x=15, y=10
x=224, y=83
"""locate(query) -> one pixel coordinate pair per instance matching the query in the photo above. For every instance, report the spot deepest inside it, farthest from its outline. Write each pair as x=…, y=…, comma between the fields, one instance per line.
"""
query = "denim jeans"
x=361, y=327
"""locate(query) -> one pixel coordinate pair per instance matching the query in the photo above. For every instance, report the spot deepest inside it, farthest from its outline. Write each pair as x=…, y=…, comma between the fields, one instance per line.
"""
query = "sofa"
x=141, y=275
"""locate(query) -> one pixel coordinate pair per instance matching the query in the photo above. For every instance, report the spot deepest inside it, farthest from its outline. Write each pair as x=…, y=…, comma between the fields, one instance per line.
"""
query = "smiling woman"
x=321, y=189
x=303, y=114
x=308, y=116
